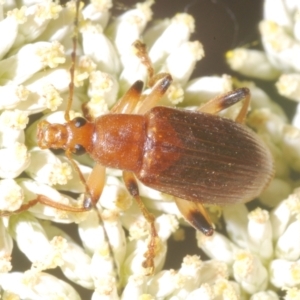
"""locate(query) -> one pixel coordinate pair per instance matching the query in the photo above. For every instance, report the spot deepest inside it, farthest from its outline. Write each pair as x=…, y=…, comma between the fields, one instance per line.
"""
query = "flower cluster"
x=262, y=246
x=280, y=36
x=263, y=253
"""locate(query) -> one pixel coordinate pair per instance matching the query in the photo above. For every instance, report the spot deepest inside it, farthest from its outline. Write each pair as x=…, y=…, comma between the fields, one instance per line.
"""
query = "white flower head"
x=115, y=240
x=14, y=160
x=12, y=195
x=12, y=95
x=47, y=168
x=249, y=272
x=13, y=119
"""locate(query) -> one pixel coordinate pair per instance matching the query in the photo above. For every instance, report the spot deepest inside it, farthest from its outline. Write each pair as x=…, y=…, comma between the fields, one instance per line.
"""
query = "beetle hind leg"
x=196, y=215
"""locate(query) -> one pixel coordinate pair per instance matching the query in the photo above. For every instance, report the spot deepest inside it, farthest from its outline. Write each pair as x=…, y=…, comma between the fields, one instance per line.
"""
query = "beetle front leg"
x=95, y=185
x=132, y=187
x=156, y=94
x=160, y=83
x=125, y=105
x=128, y=102
x=42, y=199
x=24, y=207
x=223, y=101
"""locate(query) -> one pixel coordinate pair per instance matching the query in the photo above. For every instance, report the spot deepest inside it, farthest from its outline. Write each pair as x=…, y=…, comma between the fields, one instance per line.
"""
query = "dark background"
x=220, y=25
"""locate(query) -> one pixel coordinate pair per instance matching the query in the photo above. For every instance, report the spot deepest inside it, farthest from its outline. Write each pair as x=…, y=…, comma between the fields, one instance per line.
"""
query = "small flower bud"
x=252, y=63
x=288, y=244
x=202, y=89
x=284, y=273
x=288, y=86
x=98, y=11
x=265, y=295
x=14, y=160
x=249, y=272
x=6, y=247
x=47, y=168
x=98, y=47
x=127, y=28
x=12, y=95
x=260, y=234
x=176, y=33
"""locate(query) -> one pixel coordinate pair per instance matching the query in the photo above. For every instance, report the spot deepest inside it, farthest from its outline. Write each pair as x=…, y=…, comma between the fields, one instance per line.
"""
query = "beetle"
x=196, y=156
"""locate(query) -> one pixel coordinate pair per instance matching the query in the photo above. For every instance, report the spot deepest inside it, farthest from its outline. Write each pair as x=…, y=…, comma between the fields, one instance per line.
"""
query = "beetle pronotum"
x=196, y=156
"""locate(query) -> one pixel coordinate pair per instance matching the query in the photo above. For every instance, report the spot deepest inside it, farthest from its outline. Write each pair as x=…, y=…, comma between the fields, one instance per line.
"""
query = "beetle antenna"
x=91, y=204
x=73, y=61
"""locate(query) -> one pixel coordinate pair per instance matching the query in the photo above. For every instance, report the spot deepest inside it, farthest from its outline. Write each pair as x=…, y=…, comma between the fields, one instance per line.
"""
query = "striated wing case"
x=203, y=158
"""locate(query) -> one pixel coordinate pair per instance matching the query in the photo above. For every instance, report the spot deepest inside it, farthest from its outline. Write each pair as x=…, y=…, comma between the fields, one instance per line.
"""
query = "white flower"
x=47, y=168
x=13, y=160
x=114, y=237
x=6, y=247
x=243, y=60
x=266, y=243
x=35, y=78
x=279, y=61
x=100, y=49
x=12, y=195
x=36, y=285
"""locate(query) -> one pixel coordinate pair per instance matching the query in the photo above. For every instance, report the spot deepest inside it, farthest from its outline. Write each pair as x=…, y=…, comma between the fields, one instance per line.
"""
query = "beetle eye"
x=79, y=149
x=79, y=121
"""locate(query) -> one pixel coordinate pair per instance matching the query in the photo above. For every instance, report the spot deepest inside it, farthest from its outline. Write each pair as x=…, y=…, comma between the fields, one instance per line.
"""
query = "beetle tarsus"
x=198, y=220
x=132, y=187
x=226, y=100
x=87, y=203
x=196, y=215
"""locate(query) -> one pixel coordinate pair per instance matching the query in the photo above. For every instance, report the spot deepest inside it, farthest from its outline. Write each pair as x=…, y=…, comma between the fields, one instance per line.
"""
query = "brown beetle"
x=196, y=156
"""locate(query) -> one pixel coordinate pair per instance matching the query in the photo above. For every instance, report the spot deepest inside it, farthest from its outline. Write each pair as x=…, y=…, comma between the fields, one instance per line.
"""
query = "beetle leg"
x=125, y=105
x=196, y=215
x=73, y=62
x=128, y=102
x=42, y=199
x=142, y=54
x=244, y=110
x=156, y=94
x=133, y=189
x=94, y=184
x=225, y=100
x=23, y=207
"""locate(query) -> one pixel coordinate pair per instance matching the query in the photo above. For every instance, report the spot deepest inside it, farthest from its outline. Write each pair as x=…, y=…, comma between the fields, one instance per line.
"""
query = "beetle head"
x=51, y=135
